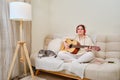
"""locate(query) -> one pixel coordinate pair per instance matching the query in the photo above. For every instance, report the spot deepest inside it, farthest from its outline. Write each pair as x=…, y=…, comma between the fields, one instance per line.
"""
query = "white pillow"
x=92, y=37
x=55, y=45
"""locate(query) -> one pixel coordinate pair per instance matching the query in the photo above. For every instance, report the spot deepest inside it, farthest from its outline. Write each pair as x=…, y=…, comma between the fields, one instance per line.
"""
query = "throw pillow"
x=54, y=45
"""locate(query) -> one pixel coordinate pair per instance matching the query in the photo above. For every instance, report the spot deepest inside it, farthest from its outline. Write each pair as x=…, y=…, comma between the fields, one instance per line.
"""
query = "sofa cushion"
x=113, y=54
x=110, y=46
x=113, y=38
x=105, y=71
x=113, y=46
x=101, y=42
x=55, y=45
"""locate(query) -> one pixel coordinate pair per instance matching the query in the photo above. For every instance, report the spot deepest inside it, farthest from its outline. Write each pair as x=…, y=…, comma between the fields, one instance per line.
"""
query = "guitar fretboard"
x=80, y=46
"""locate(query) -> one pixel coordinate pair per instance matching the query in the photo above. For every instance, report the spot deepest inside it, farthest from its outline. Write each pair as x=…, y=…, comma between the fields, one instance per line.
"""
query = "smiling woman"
x=84, y=54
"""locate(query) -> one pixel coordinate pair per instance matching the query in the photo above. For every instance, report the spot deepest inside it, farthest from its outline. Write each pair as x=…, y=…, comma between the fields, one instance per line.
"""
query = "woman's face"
x=80, y=30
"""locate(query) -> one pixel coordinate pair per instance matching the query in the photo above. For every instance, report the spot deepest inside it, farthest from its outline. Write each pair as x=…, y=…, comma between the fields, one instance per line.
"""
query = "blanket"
x=55, y=64
x=49, y=63
x=78, y=69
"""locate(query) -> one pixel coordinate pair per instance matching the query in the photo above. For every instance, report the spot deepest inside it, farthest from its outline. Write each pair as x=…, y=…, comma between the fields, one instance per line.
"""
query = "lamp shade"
x=20, y=11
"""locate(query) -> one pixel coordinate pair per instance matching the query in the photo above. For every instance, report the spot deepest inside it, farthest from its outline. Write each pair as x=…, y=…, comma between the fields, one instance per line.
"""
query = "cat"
x=46, y=53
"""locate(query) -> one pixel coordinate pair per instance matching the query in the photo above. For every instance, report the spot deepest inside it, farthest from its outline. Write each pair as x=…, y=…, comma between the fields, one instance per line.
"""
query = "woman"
x=85, y=54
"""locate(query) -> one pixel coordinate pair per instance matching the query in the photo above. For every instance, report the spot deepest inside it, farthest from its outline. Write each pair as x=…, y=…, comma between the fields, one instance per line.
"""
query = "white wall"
x=98, y=15
x=40, y=23
x=62, y=17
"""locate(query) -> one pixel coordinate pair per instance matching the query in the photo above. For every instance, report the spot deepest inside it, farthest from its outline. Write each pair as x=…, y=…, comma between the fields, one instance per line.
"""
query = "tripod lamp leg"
x=13, y=61
x=28, y=60
x=23, y=60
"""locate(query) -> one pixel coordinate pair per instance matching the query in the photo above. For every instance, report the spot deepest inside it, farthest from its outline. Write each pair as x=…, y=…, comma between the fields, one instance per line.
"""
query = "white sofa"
x=110, y=51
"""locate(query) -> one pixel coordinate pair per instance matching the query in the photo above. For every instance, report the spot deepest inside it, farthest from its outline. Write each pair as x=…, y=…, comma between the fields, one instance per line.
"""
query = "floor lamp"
x=21, y=11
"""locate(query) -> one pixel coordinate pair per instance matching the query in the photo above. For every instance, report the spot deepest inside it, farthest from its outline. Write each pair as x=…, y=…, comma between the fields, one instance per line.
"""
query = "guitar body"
x=74, y=46
x=73, y=50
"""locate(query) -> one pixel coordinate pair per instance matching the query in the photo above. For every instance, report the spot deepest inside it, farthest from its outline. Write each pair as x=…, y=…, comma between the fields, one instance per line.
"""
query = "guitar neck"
x=81, y=46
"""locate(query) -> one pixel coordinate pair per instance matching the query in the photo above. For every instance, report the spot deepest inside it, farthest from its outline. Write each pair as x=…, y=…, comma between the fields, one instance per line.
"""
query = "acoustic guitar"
x=74, y=46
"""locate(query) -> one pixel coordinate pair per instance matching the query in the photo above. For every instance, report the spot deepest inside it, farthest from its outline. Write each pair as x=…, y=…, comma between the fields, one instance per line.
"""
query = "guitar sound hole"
x=70, y=45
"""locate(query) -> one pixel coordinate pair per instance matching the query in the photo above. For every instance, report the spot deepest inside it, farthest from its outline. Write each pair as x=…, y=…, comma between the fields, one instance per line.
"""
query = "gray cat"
x=46, y=53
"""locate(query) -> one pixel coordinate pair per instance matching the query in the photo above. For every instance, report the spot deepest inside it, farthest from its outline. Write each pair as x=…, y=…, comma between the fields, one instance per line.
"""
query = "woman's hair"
x=83, y=26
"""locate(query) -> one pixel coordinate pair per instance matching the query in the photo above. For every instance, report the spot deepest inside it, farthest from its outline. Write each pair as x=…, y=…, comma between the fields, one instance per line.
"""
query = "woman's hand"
x=88, y=48
x=66, y=45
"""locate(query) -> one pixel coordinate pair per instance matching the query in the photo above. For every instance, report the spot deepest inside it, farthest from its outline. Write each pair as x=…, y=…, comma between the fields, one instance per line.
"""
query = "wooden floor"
x=52, y=77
